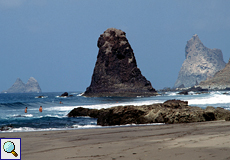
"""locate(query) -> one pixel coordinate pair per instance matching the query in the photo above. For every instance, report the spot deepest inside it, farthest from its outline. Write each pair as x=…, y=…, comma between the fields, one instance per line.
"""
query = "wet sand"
x=191, y=141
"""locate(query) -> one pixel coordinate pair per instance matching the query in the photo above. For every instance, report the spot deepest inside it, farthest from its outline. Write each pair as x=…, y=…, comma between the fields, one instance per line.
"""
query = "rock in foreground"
x=171, y=111
x=116, y=72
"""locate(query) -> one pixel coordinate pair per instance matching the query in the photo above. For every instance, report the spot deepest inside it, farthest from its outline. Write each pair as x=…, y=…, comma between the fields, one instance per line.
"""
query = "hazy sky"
x=55, y=41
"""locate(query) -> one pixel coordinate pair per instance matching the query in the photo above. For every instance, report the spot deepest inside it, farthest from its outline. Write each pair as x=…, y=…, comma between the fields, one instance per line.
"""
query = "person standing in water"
x=40, y=109
x=26, y=110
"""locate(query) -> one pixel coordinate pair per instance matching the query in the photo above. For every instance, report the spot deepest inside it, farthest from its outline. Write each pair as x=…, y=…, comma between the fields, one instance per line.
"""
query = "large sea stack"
x=201, y=63
x=116, y=72
x=31, y=86
x=221, y=79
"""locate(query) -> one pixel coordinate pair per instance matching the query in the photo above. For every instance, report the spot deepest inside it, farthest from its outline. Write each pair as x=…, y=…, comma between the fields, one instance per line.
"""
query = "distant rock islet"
x=31, y=86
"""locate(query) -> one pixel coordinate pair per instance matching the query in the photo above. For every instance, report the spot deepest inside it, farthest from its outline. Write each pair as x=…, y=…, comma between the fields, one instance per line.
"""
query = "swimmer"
x=61, y=102
x=40, y=109
x=26, y=110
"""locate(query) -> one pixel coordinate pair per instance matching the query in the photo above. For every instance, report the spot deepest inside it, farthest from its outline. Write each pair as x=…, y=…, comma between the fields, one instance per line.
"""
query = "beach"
x=190, y=141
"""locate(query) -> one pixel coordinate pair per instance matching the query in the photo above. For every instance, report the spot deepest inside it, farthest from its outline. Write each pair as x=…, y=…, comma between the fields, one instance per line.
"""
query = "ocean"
x=53, y=116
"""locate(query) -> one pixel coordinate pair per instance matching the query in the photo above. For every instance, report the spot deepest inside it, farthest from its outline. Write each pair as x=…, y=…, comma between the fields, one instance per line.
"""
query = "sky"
x=55, y=41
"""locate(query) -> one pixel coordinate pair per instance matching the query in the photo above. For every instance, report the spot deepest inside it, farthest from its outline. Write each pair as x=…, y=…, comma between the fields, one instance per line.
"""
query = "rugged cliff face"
x=116, y=72
x=31, y=86
x=221, y=79
x=201, y=63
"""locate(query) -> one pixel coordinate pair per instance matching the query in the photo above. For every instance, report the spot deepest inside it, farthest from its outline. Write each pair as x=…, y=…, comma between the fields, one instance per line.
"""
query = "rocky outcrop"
x=65, y=94
x=196, y=90
x=201, y=63
x=31, y=86
x=17, y=87
x=6, y=128
x=116, y=72
x=221, y=79
x=171, y=111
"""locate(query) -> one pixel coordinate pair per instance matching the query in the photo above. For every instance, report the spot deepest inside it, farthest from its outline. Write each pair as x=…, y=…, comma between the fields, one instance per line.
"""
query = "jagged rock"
x=80, y=111
x=181, y=86
x=40, y=97
x=218, y=113
x=175, y=103
x=183, y=92
x=221, y=79
x=200, y=63
x=31, y=86
x=6, y=128
x=65, y=94
x=116, y=72
x=171, y=111
x=17, y=87
x=196, y=89
x=227, y=118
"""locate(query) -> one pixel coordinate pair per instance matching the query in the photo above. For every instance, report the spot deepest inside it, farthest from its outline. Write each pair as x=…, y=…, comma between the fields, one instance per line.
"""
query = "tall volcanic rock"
x=221, y=79
x=31, y=86
x=200, y=63
x=116, y=72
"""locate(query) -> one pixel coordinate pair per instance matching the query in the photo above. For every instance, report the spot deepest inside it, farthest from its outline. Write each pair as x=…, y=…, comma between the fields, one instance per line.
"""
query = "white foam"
x=37, y=116
x=107, y=105
x=191, y=93
x=56, y=116
x=213, y=98
x=86, y=126
x=80, y=94
x=15, y=115
x=21, y=129
x=60, y=108
x=28, y=115
x=74, y=93
x=29, y=129
x=42, y=97
x=171, y=93
x=23, y=115
x=148, y=124
x=126, y=125
x=61, y=96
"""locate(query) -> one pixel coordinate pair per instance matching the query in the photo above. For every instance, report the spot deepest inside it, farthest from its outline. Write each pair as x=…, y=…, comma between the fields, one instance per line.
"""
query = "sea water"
x=54, y=114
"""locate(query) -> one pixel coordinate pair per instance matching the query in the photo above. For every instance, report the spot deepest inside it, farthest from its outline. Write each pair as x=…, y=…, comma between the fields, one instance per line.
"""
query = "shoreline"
x=77, y=128
x=201, y=140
